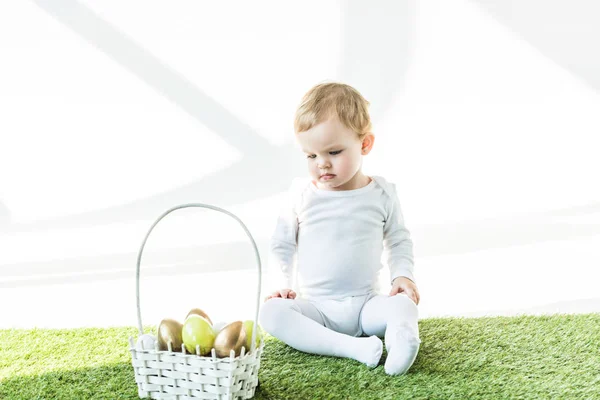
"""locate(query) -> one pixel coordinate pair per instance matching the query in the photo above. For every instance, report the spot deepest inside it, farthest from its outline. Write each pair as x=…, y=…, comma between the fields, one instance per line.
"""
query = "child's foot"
x=370, y=351
x=402, y=345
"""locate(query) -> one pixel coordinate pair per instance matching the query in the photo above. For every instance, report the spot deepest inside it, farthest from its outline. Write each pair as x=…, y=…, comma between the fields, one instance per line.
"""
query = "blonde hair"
x=327, y=100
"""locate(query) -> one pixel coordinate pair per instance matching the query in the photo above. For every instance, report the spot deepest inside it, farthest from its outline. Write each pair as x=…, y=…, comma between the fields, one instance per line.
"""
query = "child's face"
x=334, y=155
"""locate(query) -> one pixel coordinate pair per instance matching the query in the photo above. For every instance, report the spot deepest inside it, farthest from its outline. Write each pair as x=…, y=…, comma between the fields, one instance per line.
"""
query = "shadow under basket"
x=165, y=374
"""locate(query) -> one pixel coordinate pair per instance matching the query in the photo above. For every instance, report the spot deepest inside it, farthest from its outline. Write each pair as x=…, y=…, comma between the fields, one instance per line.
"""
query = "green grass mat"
x=525, y=357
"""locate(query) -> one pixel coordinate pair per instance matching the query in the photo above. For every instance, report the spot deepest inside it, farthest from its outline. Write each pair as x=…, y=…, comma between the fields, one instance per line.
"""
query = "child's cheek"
x=345, y=165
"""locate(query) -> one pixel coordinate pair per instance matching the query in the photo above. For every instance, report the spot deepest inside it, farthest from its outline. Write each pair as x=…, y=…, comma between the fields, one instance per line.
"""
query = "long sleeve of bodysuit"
x=282, y=249
x=397, y=244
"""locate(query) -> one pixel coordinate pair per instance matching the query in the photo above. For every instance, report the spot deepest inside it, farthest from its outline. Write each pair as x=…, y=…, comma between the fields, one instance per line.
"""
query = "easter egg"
x=231, y=337
x=169, y=330
x=248, y=326
x=145, y=342
x=197, y=331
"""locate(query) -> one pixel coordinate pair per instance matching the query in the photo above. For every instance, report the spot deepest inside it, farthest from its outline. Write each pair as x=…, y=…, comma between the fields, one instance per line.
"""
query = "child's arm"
x=398, y=248
x=283, y=248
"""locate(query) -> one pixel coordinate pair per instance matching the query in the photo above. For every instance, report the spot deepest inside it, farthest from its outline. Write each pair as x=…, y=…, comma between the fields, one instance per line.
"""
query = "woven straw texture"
x=181, y=376
x=171, y=375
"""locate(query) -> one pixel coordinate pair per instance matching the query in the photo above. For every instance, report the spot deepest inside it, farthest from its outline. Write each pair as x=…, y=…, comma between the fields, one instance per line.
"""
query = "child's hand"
x=402, y=284
x=283, y=293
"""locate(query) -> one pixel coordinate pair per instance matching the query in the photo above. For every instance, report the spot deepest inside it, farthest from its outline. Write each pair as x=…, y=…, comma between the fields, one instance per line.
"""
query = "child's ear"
x=367, y=143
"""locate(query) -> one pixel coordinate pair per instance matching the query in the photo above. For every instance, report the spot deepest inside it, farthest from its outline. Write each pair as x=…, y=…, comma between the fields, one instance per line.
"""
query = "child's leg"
x=396, y=318
x=299, y=324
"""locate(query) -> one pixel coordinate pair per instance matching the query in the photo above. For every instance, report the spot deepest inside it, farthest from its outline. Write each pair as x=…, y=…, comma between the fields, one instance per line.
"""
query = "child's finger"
x=413, y=297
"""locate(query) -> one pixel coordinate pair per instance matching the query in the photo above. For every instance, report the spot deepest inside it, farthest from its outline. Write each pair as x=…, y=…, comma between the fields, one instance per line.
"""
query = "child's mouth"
x=327, y=177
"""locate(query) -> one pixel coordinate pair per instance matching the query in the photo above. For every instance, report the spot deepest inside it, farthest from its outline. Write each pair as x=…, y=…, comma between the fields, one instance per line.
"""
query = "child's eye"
x=335, y=153
x=311, y=156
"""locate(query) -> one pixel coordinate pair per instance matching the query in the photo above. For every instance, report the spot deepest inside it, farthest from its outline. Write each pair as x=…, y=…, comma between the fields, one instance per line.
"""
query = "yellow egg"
x=248, y=327
x=198, y=334
x=231, y=337
x=169, y=330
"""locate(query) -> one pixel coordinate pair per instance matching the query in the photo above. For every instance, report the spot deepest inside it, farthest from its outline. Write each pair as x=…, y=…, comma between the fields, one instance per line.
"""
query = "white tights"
x=300, y=324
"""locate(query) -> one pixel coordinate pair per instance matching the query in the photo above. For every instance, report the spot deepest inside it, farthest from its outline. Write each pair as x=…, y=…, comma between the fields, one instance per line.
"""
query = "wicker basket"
x=180, y=375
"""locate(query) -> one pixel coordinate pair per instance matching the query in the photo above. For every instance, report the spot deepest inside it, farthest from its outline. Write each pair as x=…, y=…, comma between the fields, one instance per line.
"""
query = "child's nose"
x=324, y=164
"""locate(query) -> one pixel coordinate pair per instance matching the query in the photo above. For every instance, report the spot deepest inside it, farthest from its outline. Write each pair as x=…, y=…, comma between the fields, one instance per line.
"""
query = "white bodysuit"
x=339, y=237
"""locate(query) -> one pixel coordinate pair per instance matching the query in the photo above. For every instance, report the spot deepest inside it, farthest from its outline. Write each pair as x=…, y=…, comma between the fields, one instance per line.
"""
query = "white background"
x=485, y=114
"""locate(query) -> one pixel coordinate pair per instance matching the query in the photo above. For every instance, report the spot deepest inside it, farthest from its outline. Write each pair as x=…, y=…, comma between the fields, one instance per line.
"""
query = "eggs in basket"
x=198, y=335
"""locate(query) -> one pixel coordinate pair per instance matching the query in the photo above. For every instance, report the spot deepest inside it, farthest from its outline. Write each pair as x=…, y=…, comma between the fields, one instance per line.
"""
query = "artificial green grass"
x=524, y=357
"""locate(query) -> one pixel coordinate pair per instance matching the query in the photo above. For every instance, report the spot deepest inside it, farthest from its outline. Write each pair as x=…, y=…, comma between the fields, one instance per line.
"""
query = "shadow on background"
x=517, y=230
x=376, y=53
x=4, y=215
x=376, y=43
x=254, y=176
x=432, y=240
x=377, y=49
x=182, y=261
x=566, y=32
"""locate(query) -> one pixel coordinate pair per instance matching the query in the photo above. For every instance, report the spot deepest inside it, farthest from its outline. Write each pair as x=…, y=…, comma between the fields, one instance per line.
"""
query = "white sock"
x=368, y=351
x=402, y=344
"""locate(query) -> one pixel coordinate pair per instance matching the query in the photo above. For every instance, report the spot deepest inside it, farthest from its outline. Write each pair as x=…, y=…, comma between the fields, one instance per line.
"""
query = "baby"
x=335, y=229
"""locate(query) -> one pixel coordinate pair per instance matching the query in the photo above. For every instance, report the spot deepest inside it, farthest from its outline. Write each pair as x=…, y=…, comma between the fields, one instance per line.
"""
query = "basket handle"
x=201, y=205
